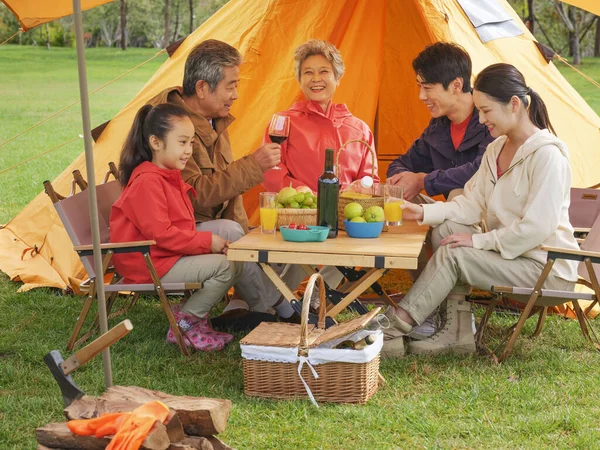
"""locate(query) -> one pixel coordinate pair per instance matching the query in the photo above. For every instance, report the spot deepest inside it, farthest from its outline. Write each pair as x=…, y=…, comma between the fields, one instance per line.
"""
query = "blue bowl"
x=363, y=229
x=313, y=234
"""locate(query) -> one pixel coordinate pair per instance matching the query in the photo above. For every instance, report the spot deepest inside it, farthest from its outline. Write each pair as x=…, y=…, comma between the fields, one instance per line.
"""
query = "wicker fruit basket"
x=285, y=216
x=287, y=372
x=376, y=198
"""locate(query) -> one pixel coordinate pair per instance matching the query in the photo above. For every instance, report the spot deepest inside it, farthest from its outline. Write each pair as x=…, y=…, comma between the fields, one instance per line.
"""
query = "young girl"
x=521, y=190
x=155, y=205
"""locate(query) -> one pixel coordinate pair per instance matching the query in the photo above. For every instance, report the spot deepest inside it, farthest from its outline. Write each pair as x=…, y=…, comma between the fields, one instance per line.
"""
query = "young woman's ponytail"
x=538, y=113
x=503, y=81
x=149, y=121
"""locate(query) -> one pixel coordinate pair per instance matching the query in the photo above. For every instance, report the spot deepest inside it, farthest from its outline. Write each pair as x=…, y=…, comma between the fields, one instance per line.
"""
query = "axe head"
x=70, y=391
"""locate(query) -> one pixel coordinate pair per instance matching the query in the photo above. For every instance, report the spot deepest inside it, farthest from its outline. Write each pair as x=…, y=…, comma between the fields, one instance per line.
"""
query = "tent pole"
x=89, y=165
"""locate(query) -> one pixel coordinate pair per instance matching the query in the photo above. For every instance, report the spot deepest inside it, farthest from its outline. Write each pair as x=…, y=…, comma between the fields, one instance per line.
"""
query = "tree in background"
x=123, y=25
x=166, y=39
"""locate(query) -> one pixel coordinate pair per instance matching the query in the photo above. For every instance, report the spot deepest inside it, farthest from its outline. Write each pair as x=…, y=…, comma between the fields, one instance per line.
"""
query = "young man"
x=449, y=151
x=446, y=155
x=209, y=90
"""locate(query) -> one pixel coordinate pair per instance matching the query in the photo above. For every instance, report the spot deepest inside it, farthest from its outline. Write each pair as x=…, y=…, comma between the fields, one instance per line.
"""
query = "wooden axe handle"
x=89, y=351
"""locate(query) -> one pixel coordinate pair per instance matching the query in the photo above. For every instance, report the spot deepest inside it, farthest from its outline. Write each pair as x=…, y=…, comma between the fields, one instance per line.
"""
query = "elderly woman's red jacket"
x=155, y=205
x=312, y=130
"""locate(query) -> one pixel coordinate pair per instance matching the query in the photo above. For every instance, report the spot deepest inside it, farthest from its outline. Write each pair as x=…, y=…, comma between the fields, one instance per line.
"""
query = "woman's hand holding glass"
x=412, y=211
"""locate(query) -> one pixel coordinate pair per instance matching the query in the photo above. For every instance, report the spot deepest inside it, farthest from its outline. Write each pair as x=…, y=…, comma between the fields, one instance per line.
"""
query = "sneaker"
x=198, y=333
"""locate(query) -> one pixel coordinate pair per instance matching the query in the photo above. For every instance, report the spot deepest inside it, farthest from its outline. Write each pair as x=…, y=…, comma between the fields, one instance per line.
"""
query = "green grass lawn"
x=545, y=395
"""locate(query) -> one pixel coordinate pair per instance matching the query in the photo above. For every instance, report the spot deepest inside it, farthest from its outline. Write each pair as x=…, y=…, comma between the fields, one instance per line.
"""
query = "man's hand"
x=413, y=183
x=411, y=211
x=219, y=245
x=458, y=240
x=268, y=156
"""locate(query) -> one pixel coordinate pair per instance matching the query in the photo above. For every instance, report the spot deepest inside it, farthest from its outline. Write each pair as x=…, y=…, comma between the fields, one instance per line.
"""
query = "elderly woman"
x=317, y=123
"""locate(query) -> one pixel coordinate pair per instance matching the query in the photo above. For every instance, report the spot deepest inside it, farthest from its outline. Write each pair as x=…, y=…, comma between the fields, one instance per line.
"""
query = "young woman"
x=317, y=123
x=155, y=205
x=521, y=190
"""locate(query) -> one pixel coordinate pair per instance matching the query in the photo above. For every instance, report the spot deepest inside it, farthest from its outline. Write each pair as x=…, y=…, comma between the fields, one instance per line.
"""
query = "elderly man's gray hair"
x=206, y=62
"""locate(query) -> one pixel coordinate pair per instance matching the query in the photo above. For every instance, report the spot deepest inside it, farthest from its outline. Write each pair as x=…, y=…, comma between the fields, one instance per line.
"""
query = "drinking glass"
x=392, y=205
x=268, y=212
x=279, y=130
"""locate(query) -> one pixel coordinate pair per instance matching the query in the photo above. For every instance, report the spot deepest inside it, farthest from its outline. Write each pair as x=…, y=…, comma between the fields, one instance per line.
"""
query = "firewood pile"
x=192, y=421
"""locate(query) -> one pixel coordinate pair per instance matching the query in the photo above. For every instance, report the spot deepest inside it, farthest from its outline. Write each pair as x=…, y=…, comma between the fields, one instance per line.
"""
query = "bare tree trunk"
x=531, y=18
x=167, y=23
x=192, y=16
x=124, y=24
x=47, y=37
x=574, y=36
x=176, y=32
x=597, y=40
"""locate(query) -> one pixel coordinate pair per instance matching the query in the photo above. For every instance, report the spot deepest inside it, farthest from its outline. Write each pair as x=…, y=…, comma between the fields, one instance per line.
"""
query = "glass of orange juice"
x=268, y=212
x=392, y=205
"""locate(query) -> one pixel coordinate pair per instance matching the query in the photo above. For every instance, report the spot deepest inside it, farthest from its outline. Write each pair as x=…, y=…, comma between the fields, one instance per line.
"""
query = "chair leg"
x=540, y=323
x=166, y=306
x=82, y=315
x=485, y=319
x=528, y=307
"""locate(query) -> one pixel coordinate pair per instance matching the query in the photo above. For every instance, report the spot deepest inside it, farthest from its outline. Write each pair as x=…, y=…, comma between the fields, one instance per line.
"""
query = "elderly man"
x=209, y=90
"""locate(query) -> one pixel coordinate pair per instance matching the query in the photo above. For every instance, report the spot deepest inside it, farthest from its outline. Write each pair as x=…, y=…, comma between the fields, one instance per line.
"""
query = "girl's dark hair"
x=503, y=81
x=149, y=121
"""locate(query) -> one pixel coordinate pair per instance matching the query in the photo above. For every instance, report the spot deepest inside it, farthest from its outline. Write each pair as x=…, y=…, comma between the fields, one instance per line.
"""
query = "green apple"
x=358, y=219
x=353, y=210
x=374, y=214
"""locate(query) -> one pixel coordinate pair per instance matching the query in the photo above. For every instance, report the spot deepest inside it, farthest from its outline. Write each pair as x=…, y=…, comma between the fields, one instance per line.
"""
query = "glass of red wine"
x=279, y=130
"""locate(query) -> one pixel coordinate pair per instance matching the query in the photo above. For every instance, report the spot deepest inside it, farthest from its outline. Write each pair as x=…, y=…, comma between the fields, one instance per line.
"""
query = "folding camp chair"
x=539, y=298
x=583, y=210
x=73, y=212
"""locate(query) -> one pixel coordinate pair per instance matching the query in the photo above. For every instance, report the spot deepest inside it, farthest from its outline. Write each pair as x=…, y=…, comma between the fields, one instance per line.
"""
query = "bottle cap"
x=366, y=182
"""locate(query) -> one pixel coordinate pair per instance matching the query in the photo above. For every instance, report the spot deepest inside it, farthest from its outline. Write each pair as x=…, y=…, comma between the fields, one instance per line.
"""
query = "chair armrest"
x=571, y=251
x=581, y=230
x=117, y=247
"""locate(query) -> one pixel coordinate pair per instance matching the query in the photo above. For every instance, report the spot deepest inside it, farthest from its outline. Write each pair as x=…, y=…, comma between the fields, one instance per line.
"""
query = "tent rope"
x=20, y=30
x=587, y=77
x=79, y=101
x=40, y=154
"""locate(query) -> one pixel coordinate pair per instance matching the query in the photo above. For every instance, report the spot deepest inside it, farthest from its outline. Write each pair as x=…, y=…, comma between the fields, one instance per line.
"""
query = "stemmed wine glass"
x=279, y=130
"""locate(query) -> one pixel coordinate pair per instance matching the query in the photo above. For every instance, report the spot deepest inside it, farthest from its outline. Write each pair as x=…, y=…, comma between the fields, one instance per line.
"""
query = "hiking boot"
x=456, y=335
x=393, y=336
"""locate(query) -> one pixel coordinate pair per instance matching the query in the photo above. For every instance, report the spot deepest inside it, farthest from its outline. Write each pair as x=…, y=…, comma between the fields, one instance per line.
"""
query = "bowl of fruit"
x=303, y=233
x=296, y=205
x=361, y=223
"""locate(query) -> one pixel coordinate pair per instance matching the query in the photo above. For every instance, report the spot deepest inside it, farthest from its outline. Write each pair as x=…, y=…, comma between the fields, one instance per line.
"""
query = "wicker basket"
x=285, y=216
x=377, y=197
x=340, y=382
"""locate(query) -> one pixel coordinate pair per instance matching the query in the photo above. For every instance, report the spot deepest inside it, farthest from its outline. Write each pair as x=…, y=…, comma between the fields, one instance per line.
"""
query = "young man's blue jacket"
x=433, y=153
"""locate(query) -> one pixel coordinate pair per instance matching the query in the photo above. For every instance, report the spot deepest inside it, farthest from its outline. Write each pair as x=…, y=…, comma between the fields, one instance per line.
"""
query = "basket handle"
x=314, y=278
x=372, y=151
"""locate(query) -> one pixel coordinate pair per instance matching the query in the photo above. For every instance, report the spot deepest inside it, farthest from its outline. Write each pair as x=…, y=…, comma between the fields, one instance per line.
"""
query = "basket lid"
x=278, y=334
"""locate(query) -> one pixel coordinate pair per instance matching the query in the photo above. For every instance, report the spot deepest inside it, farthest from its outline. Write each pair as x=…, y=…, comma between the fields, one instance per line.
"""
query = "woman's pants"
x=455, y=270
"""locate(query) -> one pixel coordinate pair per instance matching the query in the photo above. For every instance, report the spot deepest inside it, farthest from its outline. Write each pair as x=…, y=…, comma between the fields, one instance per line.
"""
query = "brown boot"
x=455, y=336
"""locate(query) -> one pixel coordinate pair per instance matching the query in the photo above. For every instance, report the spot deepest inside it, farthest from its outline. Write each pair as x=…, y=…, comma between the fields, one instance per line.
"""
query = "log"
x=200, y=416
x=58, y=435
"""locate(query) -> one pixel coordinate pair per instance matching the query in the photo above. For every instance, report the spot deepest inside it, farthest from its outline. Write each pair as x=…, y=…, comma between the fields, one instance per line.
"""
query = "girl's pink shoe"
x=199, y=333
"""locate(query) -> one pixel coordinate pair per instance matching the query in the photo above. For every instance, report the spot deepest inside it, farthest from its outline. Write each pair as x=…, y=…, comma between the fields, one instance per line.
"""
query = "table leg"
x=359, y=287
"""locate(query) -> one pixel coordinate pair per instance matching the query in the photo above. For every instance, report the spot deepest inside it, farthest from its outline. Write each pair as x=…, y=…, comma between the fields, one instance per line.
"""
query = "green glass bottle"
x=327, y=197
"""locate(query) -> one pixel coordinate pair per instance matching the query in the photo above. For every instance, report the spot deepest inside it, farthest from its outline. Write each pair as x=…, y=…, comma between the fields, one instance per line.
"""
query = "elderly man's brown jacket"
x=218, y=180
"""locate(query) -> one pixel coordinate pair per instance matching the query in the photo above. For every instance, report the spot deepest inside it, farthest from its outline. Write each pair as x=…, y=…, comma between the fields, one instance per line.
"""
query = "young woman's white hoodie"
x=525, y=208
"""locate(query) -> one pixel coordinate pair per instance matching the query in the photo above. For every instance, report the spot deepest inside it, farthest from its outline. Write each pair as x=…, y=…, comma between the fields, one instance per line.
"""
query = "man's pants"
x=455, y=270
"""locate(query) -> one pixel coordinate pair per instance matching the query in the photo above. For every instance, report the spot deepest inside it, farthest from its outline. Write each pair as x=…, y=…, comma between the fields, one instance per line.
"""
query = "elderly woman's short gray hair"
x=206, y=62
x=318, y=47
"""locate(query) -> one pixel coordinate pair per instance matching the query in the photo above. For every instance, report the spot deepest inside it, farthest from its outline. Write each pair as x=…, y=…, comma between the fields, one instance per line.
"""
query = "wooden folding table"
x=398, y=248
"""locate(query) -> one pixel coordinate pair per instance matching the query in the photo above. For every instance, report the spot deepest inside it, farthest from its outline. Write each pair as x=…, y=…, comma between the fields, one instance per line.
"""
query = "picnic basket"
x=285, y=216
x=287, y=361
x=376, y=198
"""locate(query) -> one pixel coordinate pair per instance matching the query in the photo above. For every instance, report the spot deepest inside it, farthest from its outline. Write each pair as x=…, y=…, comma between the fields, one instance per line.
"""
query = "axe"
x=61, y=369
